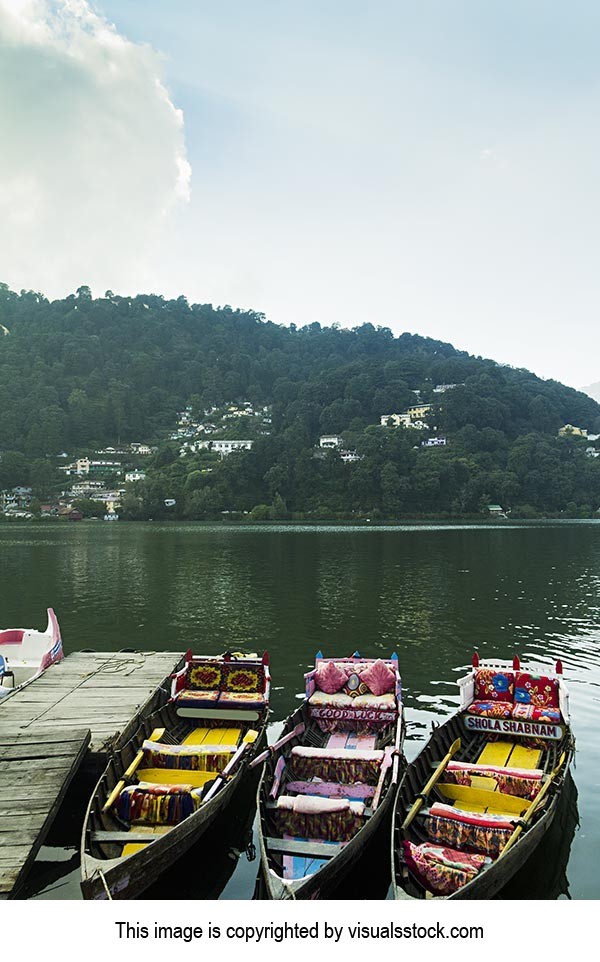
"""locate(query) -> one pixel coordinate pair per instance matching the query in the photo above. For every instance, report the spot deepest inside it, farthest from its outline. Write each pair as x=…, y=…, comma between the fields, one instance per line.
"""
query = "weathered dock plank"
x=79, y=708
x=102, y=691
x=26, y=815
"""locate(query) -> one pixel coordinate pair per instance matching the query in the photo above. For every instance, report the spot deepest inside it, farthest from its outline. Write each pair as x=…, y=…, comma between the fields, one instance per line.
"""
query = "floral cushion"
x=537, y=690
x=530, y=712
x=442, y=870
x=491, y=709
x=337, y=699
x=241, y=699
x=329, y=677
x=197, y=699
x=494, y=685
x=385, y=702
x=379, y=677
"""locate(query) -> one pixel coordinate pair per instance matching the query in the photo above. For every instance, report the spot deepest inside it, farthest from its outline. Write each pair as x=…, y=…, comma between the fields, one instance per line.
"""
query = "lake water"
x=430, y=593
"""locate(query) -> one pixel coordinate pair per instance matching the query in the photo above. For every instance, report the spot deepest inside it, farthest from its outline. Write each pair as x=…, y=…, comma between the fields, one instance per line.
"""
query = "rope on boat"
x=106, y=888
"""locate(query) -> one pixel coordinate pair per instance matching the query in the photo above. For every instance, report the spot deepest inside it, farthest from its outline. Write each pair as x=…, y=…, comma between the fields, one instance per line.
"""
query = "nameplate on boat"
x=510, y=726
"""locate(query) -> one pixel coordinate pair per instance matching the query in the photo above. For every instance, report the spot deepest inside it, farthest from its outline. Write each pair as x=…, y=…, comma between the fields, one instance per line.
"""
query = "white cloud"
x=92, y=152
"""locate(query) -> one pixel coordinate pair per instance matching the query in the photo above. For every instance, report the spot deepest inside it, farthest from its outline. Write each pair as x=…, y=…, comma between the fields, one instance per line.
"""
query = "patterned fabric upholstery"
x=442, y=870
x=239, y=677
x=338, y=699
x=491, y=709
x=355, y=686
x=531, y=713
x=537, y=690
x=523, y=783
x=241, y=699
x=337, y=822
x=336, y=765
x=219, y=675
x=203, y=677
x=494, y=685
x=157, y=804
x=487, y=834
x=379, y=677
x=329, y=677
x=188, y=698
x=190, y=758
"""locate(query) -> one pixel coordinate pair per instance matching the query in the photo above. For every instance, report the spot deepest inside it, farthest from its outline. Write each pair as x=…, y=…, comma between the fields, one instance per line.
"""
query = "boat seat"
x=343, y=765
x=206, y=757
x=504, y=754
x=158, y=803
x=358, y=791
x=469, y=828
x=493, y=801
x=496, y=753
x=175, y=776
x=294, y=846
x=217, y=736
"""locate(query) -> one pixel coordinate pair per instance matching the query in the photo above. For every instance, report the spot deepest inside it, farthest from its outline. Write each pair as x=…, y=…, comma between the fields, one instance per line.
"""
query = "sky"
x=430, y=167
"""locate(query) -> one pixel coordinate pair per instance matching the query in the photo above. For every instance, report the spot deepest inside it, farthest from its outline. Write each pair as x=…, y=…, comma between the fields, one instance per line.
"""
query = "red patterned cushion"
x=379, y=677
x=491, y=709
x=494, y=685
x=530, y=712
x=537, y=690
x=329, y=678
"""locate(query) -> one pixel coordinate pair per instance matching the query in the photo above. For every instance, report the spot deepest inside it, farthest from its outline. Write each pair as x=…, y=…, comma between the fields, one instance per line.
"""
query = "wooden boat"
x=167, y=786
x=328, y=783
x=476, y=802
x=25, y=653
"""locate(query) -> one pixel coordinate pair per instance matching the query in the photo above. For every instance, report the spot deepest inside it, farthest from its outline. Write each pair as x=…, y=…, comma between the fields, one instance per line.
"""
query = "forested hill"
x=79, y=374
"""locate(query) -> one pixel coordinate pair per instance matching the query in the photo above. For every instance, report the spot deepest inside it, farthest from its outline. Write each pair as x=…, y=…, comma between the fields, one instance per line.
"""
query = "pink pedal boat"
x=25, y=653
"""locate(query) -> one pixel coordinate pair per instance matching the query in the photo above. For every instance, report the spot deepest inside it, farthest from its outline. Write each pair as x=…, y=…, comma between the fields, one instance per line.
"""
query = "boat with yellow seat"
x=166, y=787
x=480, y=796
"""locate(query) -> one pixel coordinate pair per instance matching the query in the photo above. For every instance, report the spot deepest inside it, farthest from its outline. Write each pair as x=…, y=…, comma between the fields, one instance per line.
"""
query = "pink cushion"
x=379, y=677
x=329, y=678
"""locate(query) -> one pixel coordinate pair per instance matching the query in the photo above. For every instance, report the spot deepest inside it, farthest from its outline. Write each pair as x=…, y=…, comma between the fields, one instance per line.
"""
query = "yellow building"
x=570, y=429
x=417, y=412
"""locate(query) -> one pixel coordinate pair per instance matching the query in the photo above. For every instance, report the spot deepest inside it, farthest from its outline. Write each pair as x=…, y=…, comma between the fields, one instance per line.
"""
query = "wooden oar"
x=248, y=739
x=156, y=736
x=454, y=747
x=524, y=821
x=298, y=730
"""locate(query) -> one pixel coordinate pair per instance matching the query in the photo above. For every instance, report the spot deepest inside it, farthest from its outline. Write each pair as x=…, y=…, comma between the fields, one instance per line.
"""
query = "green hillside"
x=79, y=374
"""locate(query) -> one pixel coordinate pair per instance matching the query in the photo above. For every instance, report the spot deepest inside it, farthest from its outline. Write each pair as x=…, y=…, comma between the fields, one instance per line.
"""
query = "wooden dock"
x=102, y=691
x=73, y=714
x=35, y=772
